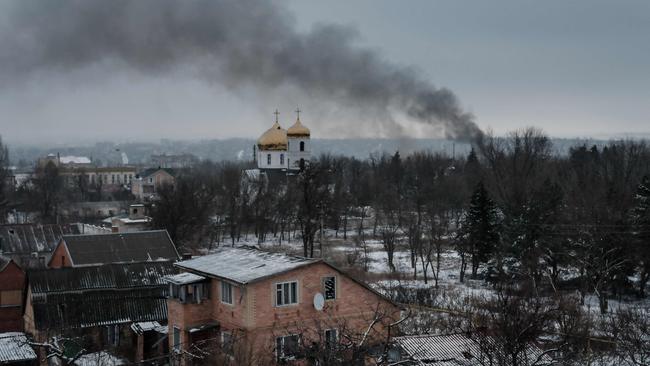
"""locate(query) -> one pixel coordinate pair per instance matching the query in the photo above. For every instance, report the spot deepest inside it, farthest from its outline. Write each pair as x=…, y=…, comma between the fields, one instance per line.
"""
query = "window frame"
x=324, y=289
x=330, y=344
x=227, y=347
x=268, y=159
x=176, y=338
x=279, y=288
x=280, y=351
x=231, y=293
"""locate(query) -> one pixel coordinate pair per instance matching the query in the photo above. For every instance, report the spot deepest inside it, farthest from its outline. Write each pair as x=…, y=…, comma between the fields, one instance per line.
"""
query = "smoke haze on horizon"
x=123, y=70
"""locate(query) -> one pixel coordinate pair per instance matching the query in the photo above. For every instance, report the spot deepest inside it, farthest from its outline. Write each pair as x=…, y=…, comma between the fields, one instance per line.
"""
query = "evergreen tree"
x=481, y=227
x=641, y=230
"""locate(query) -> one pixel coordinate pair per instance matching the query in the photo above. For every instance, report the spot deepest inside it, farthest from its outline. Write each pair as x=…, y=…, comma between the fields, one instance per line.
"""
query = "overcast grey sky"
x=574, y=68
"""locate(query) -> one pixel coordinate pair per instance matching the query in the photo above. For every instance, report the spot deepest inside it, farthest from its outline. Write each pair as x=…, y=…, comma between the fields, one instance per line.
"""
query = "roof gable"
x=139, y=246
x=246, y=265
x=153, y=171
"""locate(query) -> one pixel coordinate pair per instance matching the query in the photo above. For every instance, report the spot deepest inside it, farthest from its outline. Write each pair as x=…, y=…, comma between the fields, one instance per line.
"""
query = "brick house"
x=12, y=284
x=116, y=307
x=91, y=250
x=254, y=307
x=147, y=183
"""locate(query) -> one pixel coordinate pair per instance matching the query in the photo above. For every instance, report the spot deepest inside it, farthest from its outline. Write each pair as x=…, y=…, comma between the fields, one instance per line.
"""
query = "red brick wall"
x=60, y=257
x=12, y=286
x=254, y=311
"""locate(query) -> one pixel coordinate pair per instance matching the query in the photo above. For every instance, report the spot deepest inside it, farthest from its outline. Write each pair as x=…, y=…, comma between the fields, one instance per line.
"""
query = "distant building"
x=285, y=150
x=90, y=210
x=92, y=250
x=148, y=182
x=179, y=161
x=115, y=307
x=267, y=301
x=136, y=220
x=12, y=284
x=65, y=161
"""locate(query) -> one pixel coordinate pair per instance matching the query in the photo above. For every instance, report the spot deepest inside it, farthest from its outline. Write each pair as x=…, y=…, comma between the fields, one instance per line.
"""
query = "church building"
x=284, y=150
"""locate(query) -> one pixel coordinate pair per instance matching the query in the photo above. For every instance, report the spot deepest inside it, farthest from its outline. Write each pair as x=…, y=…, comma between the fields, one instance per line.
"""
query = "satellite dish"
x=319, y=301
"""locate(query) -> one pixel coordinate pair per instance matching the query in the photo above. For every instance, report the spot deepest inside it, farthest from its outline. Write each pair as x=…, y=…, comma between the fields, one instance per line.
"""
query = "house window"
x=226, y=293
x=331, y=338
x=190, y=294
x=286, y=293
x=286, y=348
x=112, y=178
x=227, y=342
x=268, y=159
x=329, y=287
x=302, y=146
x=150, y=180
x=177, y=338
x=281, y=159
x=113, y=335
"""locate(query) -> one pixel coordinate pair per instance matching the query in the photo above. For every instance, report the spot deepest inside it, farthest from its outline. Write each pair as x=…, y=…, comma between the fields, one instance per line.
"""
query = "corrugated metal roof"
x=30, y=238
x=120, y=247
x=110, y=276
x=3, y=262
x=184, y=278
x=98, y=308
x=244, y=265
x=14, y=347
x=453, y=349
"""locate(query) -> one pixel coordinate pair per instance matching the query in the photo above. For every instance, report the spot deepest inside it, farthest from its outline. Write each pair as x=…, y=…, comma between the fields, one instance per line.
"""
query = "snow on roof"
x=99, y=358
x=457, y=349
x=184, y=278
x=14, y=347
x=244, y=265
x=74, y=160
x=141, y=327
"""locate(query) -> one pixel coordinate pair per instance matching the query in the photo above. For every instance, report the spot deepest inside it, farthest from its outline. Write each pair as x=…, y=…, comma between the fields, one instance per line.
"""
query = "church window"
x=302, y=146
x=268, y=159
x=281, y=159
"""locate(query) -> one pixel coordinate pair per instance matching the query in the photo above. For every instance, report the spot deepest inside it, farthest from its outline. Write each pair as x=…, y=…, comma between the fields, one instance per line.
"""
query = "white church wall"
x=278, y=159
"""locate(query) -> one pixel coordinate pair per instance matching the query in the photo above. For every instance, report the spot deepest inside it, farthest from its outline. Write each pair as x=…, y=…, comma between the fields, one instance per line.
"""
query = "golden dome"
x=298, y=130
x=275, y=138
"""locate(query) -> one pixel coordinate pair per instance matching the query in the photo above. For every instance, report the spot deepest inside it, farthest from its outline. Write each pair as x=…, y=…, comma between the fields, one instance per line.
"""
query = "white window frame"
x=279, y=300
x=279, y=351
x=336, y=292
x=268, y=159
x=231, y=290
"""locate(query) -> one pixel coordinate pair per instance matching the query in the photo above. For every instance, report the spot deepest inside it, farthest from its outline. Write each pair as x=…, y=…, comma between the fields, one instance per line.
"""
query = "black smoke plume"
x=237, y=43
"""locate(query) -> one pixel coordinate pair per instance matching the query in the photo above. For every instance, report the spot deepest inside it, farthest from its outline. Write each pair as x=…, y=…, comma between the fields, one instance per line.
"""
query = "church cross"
x=276, y=115
x=298, y=112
